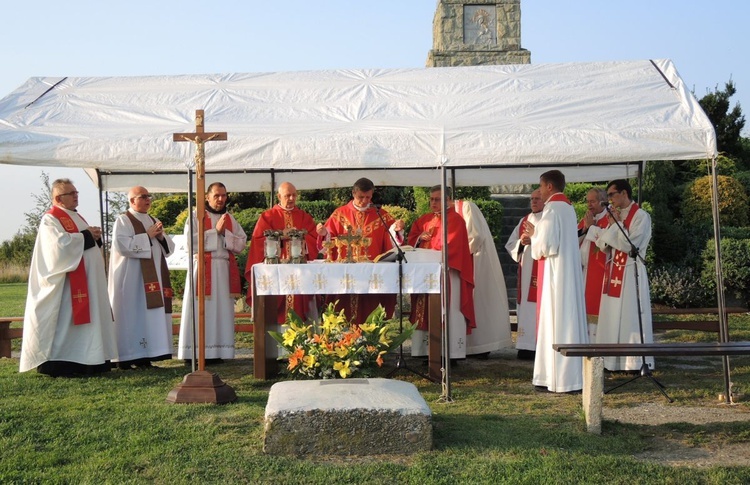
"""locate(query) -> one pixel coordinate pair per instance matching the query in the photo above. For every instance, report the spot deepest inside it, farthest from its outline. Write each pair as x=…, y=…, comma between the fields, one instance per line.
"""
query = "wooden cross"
x=200, y=137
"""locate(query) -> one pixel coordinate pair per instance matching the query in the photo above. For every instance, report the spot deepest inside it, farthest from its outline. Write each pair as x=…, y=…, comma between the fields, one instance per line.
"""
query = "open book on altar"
x=412, y=255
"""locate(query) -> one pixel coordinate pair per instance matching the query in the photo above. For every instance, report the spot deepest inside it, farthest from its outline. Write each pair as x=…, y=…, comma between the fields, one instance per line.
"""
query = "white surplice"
x=562, y=309
x=141, y=332
x=618, y=317
x=490, y=296
x=525, y=309
x=219, y=306
x=48, y=330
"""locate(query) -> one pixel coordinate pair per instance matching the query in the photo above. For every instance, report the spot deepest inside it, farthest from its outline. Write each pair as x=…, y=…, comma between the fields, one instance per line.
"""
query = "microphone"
x=376, y=206
x=605, y=204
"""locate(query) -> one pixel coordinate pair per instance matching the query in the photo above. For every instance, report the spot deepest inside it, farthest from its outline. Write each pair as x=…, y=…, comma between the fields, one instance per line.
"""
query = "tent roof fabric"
x=327, y=128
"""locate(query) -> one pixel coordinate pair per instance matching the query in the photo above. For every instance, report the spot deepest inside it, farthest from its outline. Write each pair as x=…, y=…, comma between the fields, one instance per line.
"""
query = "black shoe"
x=575, y=393
x=541, y=389
x=524, y=354
x=482, y=356
x=124, y=365
x=214, y=361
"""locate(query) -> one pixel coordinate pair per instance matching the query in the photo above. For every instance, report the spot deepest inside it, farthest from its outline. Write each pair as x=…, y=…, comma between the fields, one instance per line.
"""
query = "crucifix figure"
x=200, y=137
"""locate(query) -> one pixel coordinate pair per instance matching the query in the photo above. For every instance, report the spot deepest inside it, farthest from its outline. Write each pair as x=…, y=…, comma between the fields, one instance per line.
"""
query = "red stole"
x=594, y=271
x=77, y=278
x=615, y=269
x=235, y=286
x=533, y=284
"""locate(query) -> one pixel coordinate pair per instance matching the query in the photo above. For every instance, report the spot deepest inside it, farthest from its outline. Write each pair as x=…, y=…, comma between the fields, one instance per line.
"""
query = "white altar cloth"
x=344, y=278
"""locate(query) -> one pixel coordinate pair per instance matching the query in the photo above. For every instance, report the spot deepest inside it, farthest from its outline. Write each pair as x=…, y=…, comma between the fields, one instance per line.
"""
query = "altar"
x=317, y=278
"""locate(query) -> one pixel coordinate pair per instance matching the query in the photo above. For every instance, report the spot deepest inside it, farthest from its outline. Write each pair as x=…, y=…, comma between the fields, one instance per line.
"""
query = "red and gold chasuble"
x=615, y=269
x=595, y=271
x=235, y=286
x=77, y=278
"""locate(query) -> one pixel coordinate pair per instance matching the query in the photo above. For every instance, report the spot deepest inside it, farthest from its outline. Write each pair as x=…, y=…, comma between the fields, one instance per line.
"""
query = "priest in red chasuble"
x=427, y=233
x=360, y=215
x=284, y=216
x=593, y=258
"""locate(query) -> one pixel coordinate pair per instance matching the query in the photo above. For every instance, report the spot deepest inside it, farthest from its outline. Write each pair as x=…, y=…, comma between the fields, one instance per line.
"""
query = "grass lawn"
x=118, y=428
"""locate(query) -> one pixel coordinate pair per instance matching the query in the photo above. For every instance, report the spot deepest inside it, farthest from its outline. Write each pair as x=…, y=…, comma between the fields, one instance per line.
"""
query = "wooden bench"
x=705, y=325
x=593, y=365
x=7, y=334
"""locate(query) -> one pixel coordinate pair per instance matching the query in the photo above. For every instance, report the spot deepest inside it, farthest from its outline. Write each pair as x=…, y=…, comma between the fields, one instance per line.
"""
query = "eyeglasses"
x=144, y=196
x=435, y=199
x=610, y=194
x=72, y=192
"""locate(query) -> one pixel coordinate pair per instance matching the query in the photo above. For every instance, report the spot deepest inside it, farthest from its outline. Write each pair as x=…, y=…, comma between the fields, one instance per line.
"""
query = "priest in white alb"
x=618, y=312
x=560, y=304
x=518, y=247
x=139, y=285
x=490, y=296
x=223, y=238
x=67, y=326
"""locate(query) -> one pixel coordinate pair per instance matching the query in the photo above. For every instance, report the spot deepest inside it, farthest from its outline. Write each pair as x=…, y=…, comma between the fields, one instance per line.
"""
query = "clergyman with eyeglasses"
x=67, y=327
x=139, y=285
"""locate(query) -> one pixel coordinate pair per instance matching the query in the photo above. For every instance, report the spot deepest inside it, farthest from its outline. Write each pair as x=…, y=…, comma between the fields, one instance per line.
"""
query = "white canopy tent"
x=486, y=125
x=327, y=128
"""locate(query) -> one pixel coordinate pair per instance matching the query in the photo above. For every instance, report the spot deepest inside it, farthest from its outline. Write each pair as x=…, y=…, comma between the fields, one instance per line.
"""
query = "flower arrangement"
x=335, y=348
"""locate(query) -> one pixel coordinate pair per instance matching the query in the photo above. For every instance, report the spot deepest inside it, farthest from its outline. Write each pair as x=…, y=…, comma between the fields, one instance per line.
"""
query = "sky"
x=707, y=41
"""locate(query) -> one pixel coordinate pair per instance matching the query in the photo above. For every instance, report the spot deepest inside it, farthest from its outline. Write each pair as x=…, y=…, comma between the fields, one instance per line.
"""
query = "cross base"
x=202, y=387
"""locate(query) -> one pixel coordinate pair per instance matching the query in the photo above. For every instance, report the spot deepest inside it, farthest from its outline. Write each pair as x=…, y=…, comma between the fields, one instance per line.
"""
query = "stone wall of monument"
x=477, y=32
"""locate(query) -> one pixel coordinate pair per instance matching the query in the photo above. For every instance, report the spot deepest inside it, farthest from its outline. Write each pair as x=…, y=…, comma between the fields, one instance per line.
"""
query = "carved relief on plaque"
x=479, y=25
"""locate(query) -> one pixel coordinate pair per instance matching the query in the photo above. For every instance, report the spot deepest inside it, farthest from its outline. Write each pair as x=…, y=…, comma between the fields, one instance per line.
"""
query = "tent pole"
x=721, y=303
x=103, y=219
x=446, y=395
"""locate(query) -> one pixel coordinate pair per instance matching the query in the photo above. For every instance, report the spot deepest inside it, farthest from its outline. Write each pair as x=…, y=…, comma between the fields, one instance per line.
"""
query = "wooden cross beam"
x=200, y=137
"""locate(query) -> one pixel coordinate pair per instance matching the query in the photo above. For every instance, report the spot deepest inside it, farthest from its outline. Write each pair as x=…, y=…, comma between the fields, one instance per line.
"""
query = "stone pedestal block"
x=346, y=417
x=593, y=392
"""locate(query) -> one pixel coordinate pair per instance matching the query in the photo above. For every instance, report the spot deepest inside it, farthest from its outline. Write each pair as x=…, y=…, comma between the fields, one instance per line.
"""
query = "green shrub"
x=576, y=191
x=492, y=211
x=320, y=210
x=678, y=287
x=179, y=224
x=177, y=277
x=166, y=208
x=733, y=201
x=735, y=265
x=247, y=219
x=19, y=249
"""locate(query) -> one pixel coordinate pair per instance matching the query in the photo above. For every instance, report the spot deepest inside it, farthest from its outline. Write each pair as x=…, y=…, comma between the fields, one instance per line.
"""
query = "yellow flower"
x=289, y=336
x=342, y=352
x=330, y=322
x=384, y=340
x=343, y=368
x=309, y=361
x=368, y=327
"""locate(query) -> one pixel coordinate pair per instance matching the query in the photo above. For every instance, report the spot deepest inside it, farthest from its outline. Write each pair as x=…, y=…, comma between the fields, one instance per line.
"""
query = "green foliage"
x=177, y=278
x=166, y=208
x=472, y=193
x=576, y=191
x=421, y=200
x=247, y=219
x=402, y=213
x=727, y=123
x=19, y=249
x=735, y=266
x=179, y=223
x=320, y=210
x=492, y=211
x=43, y=202
x=733, y=201
x=678, y=287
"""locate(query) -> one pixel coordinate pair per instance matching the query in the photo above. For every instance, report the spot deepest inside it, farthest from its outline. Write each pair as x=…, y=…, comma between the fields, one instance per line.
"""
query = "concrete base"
x=593, y=392
x=346, y=417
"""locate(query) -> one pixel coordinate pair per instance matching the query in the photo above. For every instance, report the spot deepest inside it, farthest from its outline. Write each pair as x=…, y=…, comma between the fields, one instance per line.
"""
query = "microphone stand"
x=401, y=258
x=645, y=370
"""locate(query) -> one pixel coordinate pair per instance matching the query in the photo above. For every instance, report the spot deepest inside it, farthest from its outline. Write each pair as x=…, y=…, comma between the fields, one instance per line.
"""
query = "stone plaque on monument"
x=480, y=25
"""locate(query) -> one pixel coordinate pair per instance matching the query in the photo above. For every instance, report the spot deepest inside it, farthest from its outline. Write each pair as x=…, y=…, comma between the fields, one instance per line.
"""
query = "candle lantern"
x=272, y=247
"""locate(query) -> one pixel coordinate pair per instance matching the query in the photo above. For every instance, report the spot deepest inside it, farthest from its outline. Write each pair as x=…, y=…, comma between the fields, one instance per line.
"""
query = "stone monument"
x=476, y=32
